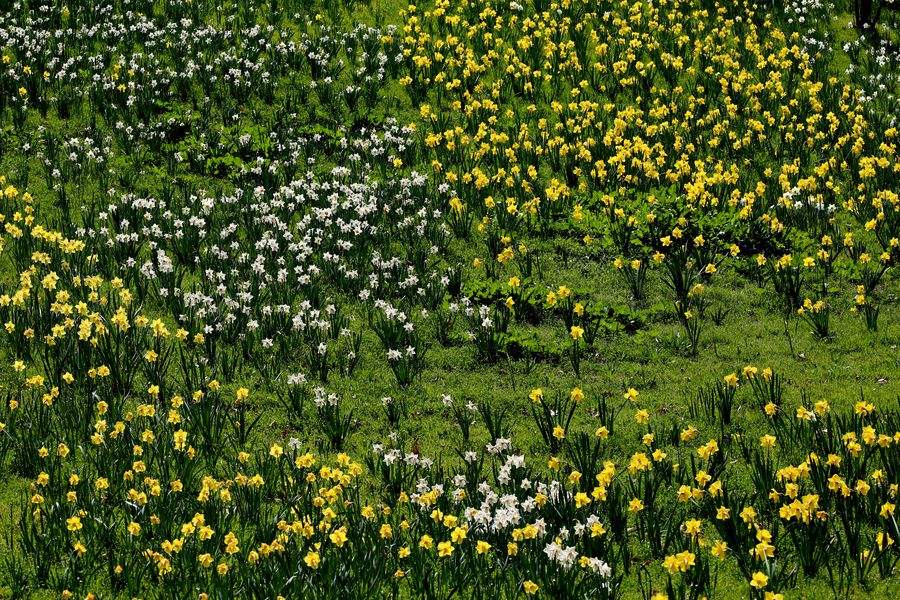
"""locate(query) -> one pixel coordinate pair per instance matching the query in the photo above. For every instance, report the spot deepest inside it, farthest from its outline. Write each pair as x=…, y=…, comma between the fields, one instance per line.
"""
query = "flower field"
x=462, y=299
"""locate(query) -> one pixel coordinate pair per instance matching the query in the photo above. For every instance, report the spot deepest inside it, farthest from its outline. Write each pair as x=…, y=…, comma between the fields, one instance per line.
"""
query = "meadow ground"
x=557, y=299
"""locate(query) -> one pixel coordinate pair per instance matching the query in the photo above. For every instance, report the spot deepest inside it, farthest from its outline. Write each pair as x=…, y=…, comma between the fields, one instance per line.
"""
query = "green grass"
x=855, y=364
